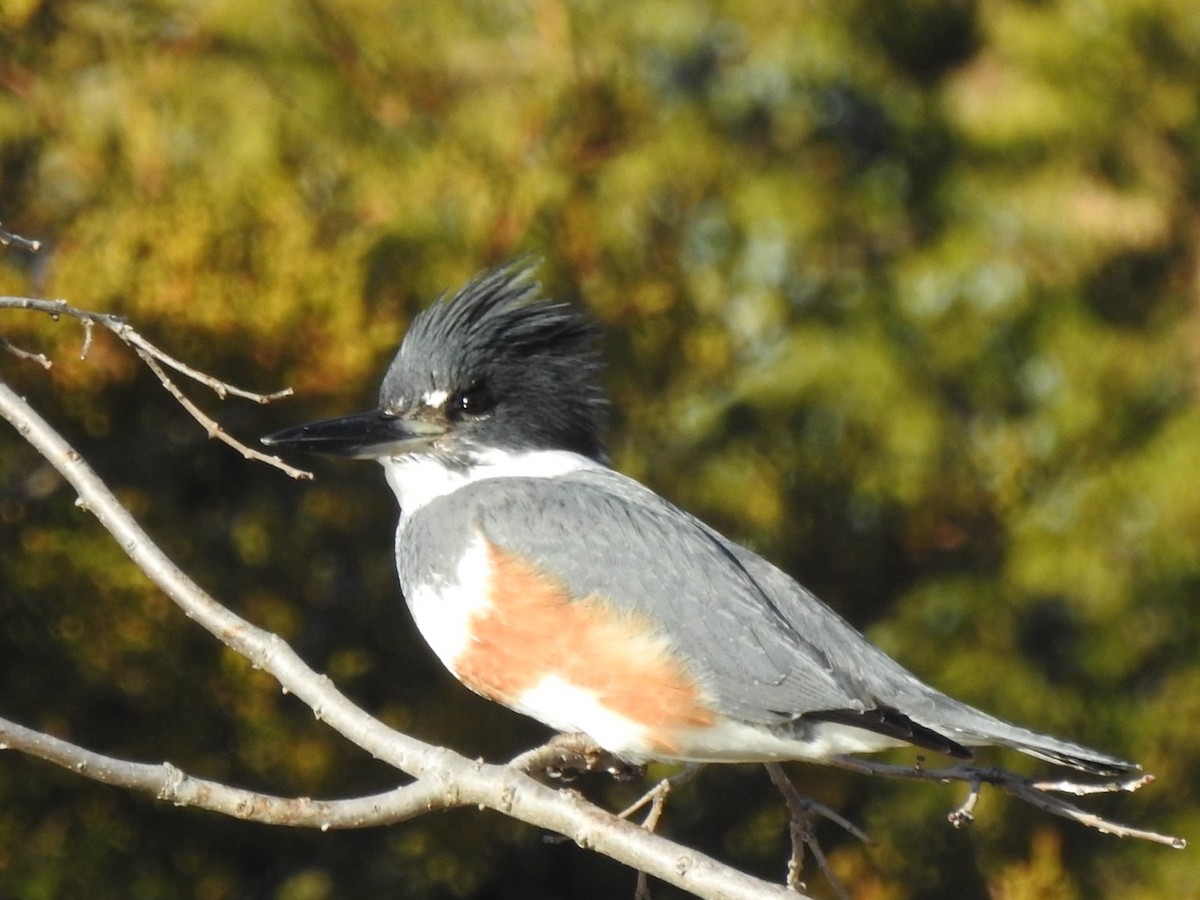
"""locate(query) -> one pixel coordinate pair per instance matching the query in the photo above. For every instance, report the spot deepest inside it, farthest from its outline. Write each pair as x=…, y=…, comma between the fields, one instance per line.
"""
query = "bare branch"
x=657, y=798
x=1035, y=793
x=16, y=351
x=222, y=389
x=166, y=782
x=804, y=835
x=9, y=239
x=211, y=426
x=457, y=781
x=157, y=359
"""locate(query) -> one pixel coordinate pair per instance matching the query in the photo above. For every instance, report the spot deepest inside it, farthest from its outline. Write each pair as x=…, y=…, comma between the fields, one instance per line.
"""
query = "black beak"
x=369, y=435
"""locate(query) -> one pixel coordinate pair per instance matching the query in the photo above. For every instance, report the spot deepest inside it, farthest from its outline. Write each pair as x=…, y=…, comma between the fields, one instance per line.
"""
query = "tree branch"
x=156, y=359
x=8, y=239
x=804, y=834
x=445, y=776
x=167, y=782
x=1036, y=793
x=16, y=351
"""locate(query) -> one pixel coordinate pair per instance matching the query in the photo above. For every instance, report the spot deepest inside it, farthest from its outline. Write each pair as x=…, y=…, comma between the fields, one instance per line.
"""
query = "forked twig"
x=656, y=797
x=158, y=361
x=1038, y=794
x=211, y=426
x=9, y=239
x=800, y=827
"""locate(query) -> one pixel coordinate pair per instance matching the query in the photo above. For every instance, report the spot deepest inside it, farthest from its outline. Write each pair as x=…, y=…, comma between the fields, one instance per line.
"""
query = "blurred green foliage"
x=901, y=292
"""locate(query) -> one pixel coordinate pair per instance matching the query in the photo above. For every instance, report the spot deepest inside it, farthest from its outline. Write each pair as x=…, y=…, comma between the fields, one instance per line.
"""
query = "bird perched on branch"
x=548, y=582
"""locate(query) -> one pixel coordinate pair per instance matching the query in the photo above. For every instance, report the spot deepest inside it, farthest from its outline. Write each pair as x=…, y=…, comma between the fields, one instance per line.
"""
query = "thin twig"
x=965, y=814
x=804, y=835
x=1035, y=793
x=222, y=389
x=657, y=798
x=16, y=351
x=211, y=426
x=133, y=338
x=1080, y=789
x=89, y=328
x=8, y=238
x=157, y=359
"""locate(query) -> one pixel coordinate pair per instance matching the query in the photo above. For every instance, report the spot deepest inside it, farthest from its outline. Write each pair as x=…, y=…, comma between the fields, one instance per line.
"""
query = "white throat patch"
x=416, y=480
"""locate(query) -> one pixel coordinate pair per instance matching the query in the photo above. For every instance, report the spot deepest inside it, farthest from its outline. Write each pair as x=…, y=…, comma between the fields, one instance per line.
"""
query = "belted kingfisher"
x=548, y=582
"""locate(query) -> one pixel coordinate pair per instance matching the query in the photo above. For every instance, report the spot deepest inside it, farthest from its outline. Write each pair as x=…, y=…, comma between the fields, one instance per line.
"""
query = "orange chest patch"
x=530, y=629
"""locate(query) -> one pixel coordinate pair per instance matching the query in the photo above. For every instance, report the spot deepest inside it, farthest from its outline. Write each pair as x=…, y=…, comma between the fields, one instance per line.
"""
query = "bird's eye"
x=473, y=401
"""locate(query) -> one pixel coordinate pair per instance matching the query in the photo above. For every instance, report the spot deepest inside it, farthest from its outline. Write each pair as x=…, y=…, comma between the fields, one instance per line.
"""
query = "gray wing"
x=768, y=650
x=608, y=535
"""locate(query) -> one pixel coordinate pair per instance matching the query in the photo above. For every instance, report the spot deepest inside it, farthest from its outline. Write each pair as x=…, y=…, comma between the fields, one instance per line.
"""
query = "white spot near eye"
x=436, y=399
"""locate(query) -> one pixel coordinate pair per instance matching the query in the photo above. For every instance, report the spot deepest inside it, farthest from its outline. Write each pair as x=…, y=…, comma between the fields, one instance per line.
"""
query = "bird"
x=548, y=582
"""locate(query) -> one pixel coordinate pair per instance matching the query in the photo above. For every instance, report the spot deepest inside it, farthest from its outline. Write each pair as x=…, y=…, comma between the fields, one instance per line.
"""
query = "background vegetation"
x=903, y=293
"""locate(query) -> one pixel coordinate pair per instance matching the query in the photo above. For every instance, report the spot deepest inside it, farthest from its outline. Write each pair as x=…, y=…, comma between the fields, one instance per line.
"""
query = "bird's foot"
x=567, y=756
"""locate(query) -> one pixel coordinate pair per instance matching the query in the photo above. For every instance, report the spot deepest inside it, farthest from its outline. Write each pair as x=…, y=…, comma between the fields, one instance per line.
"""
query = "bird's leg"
x=804, y=835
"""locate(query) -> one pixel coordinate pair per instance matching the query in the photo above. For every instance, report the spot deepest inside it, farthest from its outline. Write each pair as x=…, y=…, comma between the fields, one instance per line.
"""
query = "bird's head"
x=495, y=368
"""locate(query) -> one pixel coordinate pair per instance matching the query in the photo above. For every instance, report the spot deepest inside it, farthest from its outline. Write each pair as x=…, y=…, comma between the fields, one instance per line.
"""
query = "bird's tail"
x=972, y=727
